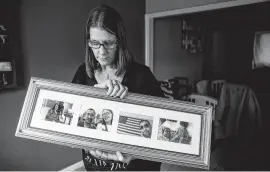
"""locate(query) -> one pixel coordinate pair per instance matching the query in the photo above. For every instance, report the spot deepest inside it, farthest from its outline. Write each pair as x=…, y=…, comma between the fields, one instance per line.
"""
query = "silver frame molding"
x=24, y=129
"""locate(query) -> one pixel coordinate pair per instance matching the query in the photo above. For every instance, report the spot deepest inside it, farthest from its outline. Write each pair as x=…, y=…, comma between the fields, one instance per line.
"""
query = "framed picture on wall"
x=7, y=74
x=192, y=37
x=145, y=127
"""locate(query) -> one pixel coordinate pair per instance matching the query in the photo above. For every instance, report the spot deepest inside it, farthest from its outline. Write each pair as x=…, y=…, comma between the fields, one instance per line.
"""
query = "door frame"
x=149, y=22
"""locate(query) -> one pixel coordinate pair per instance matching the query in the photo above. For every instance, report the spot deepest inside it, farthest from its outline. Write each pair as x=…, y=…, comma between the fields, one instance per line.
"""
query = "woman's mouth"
x=103, y=58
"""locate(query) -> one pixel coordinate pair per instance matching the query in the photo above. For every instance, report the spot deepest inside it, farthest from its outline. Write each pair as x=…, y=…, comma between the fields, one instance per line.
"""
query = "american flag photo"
x=135, y=125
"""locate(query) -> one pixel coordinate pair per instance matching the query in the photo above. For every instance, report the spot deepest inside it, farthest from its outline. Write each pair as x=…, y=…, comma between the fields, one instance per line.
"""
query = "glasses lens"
x=94, y=44
x=109, y=45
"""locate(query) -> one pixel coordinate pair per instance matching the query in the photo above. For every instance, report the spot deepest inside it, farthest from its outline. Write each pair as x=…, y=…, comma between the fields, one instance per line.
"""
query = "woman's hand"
x=118, y=156
x=115, y=88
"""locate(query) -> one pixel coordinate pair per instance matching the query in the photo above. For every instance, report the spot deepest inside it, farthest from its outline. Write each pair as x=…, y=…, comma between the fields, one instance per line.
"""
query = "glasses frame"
x=103, y=44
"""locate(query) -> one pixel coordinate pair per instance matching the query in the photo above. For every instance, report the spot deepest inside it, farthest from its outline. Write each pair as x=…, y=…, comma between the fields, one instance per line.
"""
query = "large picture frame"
x=146, y=127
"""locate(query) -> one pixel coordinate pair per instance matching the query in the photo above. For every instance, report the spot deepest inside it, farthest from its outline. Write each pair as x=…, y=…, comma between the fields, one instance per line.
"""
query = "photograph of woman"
x=165, y=134
x=105, y=123
x=55, y=113
x=110, y=65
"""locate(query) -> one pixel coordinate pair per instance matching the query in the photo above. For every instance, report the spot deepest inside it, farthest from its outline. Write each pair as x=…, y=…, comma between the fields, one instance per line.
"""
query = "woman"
x=165, y=135
x=106, y=122
x=54, y=113
x=109, y=64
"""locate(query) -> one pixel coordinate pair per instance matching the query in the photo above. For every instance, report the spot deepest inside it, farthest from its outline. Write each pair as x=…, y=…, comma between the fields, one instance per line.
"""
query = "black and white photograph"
x=165, y=85
x=175, y=131
x=135, y=125
x=56, y=111
x=96, y=119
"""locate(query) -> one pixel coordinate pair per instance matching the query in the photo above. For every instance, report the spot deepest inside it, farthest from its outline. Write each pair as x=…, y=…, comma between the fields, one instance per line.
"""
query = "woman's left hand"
x=117, y=156
x=115, y=88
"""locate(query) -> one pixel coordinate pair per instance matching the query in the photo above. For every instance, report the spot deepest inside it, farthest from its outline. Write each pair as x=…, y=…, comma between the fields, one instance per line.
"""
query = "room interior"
x=228, y=41
x=224, y=58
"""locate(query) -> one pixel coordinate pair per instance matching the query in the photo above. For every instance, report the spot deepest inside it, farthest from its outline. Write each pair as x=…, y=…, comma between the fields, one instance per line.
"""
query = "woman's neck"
x=108, y=68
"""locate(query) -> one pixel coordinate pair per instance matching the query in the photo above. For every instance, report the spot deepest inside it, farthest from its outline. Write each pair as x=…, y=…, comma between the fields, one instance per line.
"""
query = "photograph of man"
x=146, y=128
x=87, y=119
x=182, y=135
x=135, y=125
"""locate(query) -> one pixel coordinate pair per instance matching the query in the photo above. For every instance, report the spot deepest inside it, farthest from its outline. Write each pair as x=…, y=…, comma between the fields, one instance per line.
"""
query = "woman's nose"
x=102, y=50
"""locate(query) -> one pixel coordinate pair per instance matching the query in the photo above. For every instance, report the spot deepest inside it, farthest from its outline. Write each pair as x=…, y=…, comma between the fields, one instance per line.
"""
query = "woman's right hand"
x=115, y=88
x=117, y=156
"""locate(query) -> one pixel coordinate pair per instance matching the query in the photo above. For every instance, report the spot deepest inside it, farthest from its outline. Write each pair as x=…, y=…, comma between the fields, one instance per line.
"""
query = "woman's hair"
x=109, y=111
x=166, y=128
x=184, y=124
x=107, y=18
x=59, y=107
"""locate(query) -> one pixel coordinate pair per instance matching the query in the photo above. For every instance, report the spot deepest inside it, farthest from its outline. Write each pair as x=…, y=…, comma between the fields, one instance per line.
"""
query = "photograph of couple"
x=174, y=131
x=93, y=120
x=57, y=111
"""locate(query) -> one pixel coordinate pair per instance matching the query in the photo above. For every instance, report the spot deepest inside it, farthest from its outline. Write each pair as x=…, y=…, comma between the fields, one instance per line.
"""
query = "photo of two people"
x=174, y=131
x=93, y=120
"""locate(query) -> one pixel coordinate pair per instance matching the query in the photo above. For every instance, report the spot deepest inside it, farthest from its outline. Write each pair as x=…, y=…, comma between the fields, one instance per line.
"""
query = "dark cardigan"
x=139, y=79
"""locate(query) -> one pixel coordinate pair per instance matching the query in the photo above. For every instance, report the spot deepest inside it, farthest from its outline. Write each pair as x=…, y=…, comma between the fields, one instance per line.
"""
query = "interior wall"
x=229, y=55
x=170, y=60
x=232, y=53
x=51, y=37
x=153, y=6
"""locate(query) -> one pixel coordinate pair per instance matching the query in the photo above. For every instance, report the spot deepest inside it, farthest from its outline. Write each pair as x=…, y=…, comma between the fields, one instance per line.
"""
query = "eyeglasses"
x=107, y=45
x=143, y=126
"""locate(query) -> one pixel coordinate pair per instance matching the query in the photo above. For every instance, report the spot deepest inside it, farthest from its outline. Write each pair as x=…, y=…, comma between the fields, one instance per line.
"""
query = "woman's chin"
x=104, y=62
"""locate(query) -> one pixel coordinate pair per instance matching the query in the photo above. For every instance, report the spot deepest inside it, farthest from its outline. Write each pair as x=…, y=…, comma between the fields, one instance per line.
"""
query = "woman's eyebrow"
x=109, y=40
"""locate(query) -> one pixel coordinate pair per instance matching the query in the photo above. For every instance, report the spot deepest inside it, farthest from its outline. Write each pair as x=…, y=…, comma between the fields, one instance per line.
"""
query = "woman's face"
x=167, y=133
x=107, y=116
x=56, y=107
x=104, y=56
